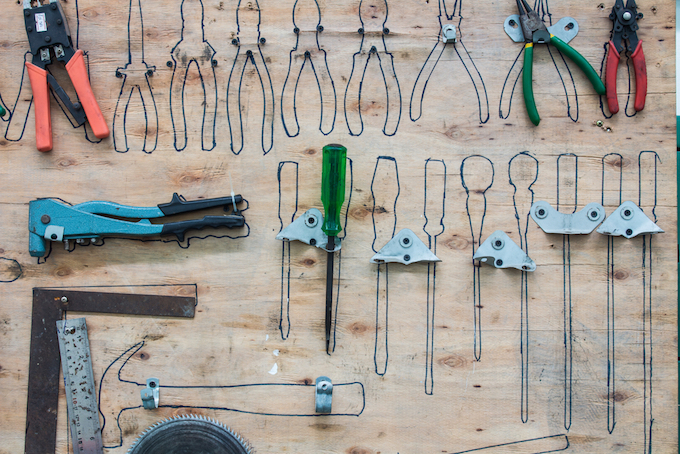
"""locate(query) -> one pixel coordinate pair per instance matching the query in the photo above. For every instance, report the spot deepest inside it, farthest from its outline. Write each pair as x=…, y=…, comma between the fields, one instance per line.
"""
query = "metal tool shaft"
x=329, y=290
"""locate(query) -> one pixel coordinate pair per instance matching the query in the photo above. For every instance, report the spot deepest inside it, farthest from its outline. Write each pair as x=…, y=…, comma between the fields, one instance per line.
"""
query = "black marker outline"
x=445, y=16
x=131, y=351
x=524, y=289
x=431, y=283
x=240, y=65
x=611, y=314
x=476, y=275
x=285, y=252
x=385, y=66
x=204, y=61
x=377, y=285
x=306, y=52
x=138, y=82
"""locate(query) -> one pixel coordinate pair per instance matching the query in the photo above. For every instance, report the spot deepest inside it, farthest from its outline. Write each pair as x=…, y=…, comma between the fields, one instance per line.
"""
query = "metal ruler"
x=81, y=400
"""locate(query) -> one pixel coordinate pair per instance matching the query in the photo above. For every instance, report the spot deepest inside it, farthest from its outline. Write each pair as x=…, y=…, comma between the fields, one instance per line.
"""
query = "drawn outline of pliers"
x=48, y=33
x=625, y=29
x=138, y=73
x=55, y=220
x=306, y=48
x=193, y=48
x=253, y=55
x=371, y=40
x=450, y=34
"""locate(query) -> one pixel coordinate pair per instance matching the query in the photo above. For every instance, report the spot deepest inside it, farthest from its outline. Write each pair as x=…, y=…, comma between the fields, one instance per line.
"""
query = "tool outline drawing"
x=378, y=48
x=432, y=235
x=476, y=239
x=381, y=349
x=131, y=351
x=454, y=19
x=253, y=55
x=307, y=47
x=136, y=76
x=192, y=48
x=611, y=306
x=284, y=320
x=524, y=284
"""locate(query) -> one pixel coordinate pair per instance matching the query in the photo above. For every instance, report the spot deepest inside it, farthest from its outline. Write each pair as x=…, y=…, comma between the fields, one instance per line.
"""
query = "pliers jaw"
x=48, y=33
x=533, y=28
x=625, y=25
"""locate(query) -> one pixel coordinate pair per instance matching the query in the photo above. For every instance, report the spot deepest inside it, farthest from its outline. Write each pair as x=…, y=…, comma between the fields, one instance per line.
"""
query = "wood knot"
x=457, y=243
x=358, y=328
x=63, y=271
x=453, y=361
x=359, y=213
x=621, y=275
x=309, y=152
x=144, y=356
x=67, y=162
x=306, y=381
x=358, y=450
x=308, y=262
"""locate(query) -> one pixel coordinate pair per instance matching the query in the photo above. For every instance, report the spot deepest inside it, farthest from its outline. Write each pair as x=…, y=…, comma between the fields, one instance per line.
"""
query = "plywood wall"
x=446, y=359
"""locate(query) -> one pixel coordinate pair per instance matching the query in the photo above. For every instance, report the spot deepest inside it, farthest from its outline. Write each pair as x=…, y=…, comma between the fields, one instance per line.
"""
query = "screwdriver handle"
x=333, y=187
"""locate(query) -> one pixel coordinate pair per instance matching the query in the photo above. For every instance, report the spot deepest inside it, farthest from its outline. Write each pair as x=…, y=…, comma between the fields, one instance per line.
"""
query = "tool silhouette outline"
x=193, y=49
x=432, y=60
x=252, y=55
x=136, y=76
x=307, y=47
x=374, y=41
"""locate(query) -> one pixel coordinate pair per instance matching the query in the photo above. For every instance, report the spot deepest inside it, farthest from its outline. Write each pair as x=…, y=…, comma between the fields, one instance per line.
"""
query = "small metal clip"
x=500, y=251
x=628, y=220
x=404, y=248
x=449, y=34
x=151, y=394
x=307, y=229
x=324, y=395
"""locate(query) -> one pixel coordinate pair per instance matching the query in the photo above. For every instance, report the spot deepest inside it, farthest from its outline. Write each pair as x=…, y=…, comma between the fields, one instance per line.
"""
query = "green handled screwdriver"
x=332, y=197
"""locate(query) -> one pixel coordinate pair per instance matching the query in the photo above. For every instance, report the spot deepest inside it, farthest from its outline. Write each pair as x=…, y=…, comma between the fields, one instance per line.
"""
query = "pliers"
x=48, y=33
x=625, y=29
x=55, y=220
x=535, y=31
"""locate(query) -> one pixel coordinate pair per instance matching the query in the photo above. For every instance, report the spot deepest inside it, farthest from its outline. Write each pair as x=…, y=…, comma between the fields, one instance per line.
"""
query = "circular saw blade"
x=190, y=434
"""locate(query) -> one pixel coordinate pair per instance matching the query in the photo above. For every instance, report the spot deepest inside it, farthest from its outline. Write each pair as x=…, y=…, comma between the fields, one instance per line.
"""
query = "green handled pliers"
x=535, y=31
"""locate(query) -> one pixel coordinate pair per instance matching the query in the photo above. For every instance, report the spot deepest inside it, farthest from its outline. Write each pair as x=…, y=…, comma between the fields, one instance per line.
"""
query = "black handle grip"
x=179, y=205
x=181, y=227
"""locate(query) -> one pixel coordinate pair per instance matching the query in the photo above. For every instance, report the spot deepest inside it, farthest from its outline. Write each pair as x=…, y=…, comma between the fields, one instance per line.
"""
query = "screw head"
x=64, y=299
x=319, y=28
x=169, y=64
x=627, y=214
x=627, y=15
x=152, y=384
x=360, y=31
x=594, y=214
x=70, y=330
x=386, y=31
x=234, y=41
x=149, y=72
x=307, y=53
x=45, y=219
x=214, y=63
x=53, y=236
x=295, y=30
x=541, y=213
x=119, y=74
x=407, y=258
x=249, y=53
x=48, y=39
x=499, y=262
x=629, y=232
x=59, y=21
x=312, y=242
x=311, y=221
x=262, y=40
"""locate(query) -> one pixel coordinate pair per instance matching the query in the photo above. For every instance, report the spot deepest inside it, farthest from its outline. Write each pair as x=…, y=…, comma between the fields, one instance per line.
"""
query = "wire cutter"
x=48, y=33
x=535, y=32
x=55, y=220
x=625, y=29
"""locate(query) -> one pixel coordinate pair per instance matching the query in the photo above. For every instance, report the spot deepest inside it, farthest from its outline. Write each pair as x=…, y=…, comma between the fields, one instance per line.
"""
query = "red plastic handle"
x=613, y=59
x=78, y=73
x=640, y=77
x=41, y=107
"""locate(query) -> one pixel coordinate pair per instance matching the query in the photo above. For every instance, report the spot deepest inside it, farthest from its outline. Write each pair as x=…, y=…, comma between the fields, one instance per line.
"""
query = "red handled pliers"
x=625, y=29
x=48, y=34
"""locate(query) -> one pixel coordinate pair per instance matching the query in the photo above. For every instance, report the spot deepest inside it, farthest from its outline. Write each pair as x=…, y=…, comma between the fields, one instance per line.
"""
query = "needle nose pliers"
x=535, y=32
x=625, y=29
x=48, y=33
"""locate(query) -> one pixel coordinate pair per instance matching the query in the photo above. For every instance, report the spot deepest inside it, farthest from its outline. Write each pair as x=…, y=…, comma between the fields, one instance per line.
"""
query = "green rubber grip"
x=2, y=111
x=333, y=187
x=581, y=62
x=527, y=83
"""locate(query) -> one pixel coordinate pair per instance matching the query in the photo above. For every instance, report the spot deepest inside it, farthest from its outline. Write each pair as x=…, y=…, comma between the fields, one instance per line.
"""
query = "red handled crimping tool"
x=48, y=34
x=625, y=29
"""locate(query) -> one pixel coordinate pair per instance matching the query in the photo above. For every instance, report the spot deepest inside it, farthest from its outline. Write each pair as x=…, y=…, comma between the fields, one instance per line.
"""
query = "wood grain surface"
x=447, y=387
